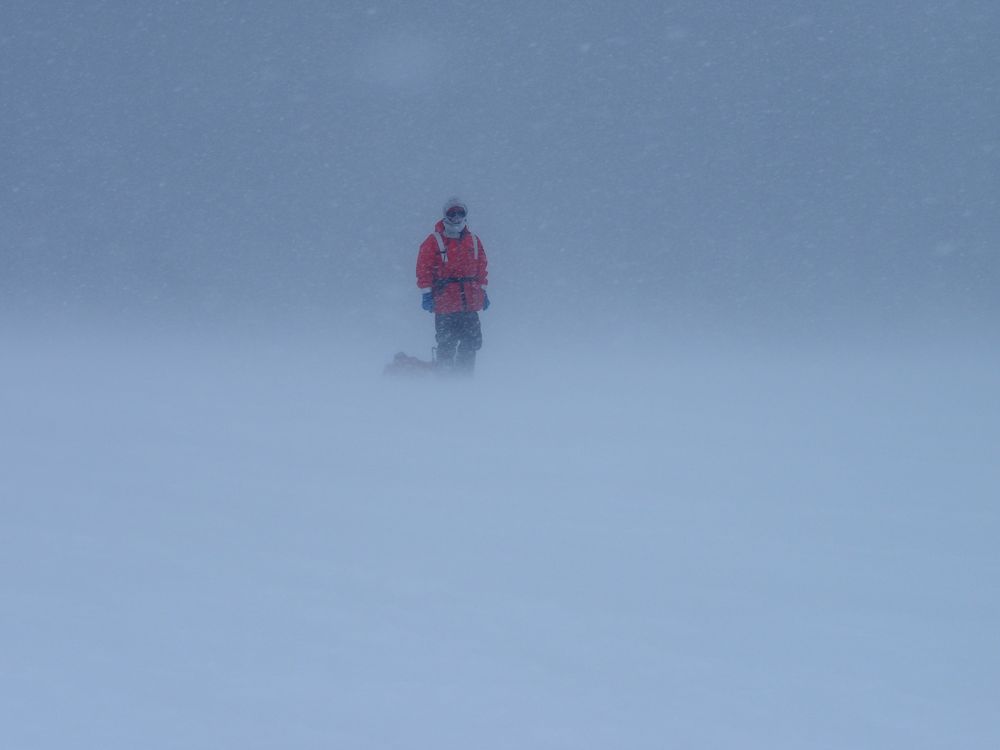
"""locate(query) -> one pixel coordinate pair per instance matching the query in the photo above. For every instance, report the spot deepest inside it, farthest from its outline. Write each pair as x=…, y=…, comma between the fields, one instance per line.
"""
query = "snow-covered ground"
x=264, y=543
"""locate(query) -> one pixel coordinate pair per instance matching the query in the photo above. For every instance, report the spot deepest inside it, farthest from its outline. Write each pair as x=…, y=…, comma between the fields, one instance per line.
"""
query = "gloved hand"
x=428, y=301
x=486, y=301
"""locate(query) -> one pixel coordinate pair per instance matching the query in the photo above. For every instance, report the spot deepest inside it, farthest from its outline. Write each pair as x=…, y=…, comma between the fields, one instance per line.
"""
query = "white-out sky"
x=793, y=160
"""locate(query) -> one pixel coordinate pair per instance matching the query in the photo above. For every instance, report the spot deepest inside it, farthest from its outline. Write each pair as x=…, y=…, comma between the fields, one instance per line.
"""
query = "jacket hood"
x=452, y=202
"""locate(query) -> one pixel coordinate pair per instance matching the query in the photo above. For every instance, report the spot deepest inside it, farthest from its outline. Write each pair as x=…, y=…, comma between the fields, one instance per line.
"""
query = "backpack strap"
x=444, y=251
x=441, y=248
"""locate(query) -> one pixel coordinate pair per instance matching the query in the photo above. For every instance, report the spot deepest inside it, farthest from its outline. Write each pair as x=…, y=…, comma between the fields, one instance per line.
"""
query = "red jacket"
x=457, y=276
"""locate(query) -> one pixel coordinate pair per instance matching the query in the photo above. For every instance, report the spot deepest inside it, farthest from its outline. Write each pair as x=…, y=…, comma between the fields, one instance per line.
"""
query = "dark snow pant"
x=459, y=337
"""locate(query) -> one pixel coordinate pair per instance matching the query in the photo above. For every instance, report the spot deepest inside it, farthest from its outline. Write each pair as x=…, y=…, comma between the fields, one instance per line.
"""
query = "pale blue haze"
x=727, y=475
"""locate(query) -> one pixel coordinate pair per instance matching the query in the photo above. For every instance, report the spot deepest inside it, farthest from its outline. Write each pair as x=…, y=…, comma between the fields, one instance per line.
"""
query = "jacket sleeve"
x=426, y=263
x=482, y=273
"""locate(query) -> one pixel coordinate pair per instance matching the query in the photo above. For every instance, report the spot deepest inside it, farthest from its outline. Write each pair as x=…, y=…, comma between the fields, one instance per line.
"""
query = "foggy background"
x=727, y=474
x=699, y=164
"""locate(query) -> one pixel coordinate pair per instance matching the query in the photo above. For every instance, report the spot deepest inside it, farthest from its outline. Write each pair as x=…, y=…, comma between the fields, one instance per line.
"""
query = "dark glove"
x=428, y=301
x=486, y=301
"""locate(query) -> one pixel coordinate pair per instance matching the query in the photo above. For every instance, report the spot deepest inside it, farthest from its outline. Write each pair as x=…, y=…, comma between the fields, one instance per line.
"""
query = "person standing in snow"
x=451, y=264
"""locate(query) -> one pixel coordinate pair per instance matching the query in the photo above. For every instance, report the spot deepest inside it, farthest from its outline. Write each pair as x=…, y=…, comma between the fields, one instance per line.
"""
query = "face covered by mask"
x=454, y=218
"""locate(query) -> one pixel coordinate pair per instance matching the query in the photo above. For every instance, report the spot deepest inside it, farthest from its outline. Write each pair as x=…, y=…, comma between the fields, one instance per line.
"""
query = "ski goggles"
x=455, y=213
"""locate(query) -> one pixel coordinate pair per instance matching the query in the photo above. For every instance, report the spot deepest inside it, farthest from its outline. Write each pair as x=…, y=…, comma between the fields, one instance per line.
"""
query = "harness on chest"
x=443, y=250
x=445, y=280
